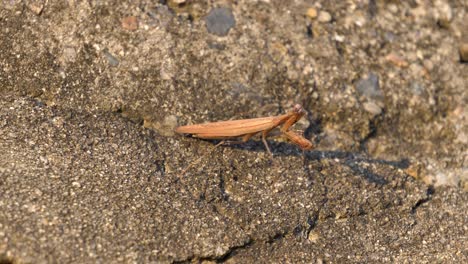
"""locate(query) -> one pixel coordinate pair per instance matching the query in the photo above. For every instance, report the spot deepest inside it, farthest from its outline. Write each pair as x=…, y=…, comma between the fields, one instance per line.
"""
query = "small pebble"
x=463, y=49
x=313, y=237
x=169, y=124
x=396, y=60
x=359, y=20
x=36, y=6
x=129, y=23
x=393, y=8
x=312, y=13
x=339, y=38
x=444, y=13
x=369, y=87
x=428, y=64
x=165, y=128
x=161, y=15
x=372, y=108
x=219, y=21
x=38, y=192
x=216, y=45
x=113, y=61
x=417, y=88
x=69, y=54
x=324, y=17
x=11, y=5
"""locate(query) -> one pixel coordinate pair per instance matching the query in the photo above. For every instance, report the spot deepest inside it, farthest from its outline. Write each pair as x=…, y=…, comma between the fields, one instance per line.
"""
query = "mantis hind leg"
x=264, y=134
x=246, y=138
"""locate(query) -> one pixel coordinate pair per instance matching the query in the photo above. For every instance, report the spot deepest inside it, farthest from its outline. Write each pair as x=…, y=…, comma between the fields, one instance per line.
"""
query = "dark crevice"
x=222, y=188
x=373, y=129
x=372, y=9
x=188, y=260
x=218, y=259
x=367, y=174
x=429, y=192
x=315, y=124
x=309, y=31
x=6, y=260
x=232, y=251
x=312, y=223
x=340, y=49
x=276, y=237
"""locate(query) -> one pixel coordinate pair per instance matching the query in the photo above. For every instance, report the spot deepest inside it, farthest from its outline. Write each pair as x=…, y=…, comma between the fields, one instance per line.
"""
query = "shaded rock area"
x=91, y=171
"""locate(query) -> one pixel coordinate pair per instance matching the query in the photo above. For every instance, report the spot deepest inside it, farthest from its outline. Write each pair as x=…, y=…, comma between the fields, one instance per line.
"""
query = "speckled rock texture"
x=91, y=170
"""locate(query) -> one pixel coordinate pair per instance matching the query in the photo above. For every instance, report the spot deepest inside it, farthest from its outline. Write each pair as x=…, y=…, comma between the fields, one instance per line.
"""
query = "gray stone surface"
x=219, y=21
x=90, y=170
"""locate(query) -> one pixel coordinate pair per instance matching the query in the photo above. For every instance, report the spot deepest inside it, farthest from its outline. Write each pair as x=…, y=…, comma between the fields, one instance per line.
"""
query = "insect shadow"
x=352, y=160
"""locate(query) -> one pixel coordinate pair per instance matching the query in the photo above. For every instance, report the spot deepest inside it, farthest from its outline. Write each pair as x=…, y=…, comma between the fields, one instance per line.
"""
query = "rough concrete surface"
x=91, y=170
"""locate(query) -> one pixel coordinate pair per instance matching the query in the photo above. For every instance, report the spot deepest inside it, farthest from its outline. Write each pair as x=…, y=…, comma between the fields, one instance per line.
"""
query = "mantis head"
x=298, y=109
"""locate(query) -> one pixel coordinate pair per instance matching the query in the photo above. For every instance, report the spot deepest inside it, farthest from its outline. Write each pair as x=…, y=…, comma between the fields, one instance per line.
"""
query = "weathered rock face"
x=90, y=169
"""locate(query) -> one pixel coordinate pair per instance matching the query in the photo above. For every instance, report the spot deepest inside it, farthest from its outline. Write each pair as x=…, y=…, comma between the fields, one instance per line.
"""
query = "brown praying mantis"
x=247, y=128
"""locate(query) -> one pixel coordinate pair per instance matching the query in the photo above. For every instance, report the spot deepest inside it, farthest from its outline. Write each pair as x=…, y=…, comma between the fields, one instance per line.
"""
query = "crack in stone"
x=219, y=259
